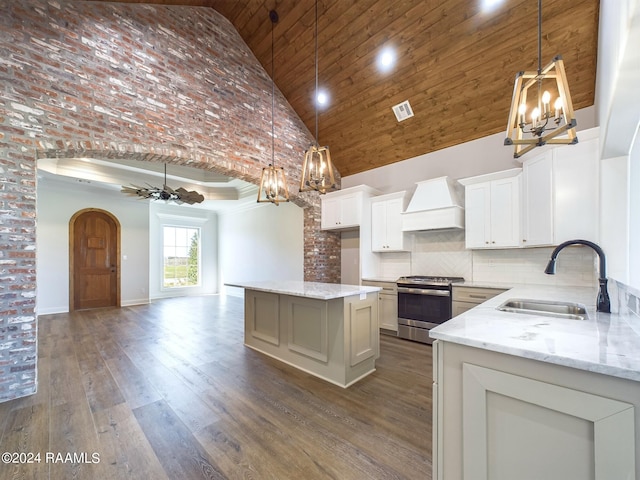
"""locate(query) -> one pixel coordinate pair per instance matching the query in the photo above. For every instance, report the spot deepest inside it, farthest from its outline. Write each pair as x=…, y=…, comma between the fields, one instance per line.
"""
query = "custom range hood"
x=435, y=205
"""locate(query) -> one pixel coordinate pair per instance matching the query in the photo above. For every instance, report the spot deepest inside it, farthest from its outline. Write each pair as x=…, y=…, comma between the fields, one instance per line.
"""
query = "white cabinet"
x=492, y=210
x=344, y=209
x=465, y=297
x=503, y=414
x=537, y=200
x=576, y=189
x=387, y=304
x=560, y=198
x=386, y=222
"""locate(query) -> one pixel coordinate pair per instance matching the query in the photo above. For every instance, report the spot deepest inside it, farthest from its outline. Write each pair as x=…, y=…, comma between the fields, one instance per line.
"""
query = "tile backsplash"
x=443, y=253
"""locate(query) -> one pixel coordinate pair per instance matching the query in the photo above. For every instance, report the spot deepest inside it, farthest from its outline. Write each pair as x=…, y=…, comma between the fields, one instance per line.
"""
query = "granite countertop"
x=320, y=291
x=606, y=343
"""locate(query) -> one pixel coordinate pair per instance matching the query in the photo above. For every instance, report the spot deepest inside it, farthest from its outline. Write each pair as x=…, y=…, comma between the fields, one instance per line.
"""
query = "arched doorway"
x=94, y=260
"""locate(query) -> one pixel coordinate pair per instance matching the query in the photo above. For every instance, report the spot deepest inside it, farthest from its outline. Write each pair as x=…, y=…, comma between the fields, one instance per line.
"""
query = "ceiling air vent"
x=403, y=111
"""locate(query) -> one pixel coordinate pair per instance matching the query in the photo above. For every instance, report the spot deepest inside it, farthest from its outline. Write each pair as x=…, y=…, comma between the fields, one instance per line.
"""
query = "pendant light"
x=533, y=121
x=273, y=185
x=317, y=169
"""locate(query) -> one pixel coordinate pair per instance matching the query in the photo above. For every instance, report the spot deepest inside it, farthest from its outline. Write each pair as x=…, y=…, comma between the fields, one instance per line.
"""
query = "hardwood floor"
x=169, y=391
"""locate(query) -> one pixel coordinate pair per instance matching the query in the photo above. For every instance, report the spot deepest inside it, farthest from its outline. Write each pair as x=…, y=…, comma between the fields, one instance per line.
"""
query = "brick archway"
x=118, y=80
x=321, y=248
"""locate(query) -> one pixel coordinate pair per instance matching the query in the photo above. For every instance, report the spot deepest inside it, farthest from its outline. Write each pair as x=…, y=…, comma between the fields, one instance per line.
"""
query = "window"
x=181, y=257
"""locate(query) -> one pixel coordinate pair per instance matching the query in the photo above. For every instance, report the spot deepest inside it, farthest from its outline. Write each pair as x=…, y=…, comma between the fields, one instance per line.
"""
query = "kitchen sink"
x=573, y=311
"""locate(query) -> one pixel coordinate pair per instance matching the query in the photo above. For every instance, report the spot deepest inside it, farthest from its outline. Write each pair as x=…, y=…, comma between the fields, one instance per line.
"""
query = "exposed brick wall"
x=154, y=83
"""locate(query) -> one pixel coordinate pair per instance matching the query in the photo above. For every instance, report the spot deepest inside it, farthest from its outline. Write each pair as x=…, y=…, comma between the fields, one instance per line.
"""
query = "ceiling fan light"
x=180, y=195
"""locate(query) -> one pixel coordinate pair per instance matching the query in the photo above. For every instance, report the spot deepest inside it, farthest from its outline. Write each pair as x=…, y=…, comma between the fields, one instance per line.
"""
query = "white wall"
x=263, y=242
x=618, y=98
x=160, y=214
x=634, y=213
x=484, y=155
x=57, y=202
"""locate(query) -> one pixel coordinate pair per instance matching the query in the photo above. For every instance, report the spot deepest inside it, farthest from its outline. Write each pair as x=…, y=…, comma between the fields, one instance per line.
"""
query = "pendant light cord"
x=539, y=37
x=274, y=18
x=315, y=100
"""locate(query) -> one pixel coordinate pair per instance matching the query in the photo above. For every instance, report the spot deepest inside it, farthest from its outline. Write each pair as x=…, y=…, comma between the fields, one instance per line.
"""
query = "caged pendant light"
x=533, y=121
x=273, y=184
x=317, y=169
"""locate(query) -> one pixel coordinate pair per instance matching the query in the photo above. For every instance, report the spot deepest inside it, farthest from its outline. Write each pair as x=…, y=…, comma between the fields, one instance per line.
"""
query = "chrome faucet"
x=603, y=303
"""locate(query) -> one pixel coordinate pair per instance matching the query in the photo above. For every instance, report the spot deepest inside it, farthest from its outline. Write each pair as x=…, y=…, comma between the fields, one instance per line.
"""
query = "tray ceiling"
x=455, y=65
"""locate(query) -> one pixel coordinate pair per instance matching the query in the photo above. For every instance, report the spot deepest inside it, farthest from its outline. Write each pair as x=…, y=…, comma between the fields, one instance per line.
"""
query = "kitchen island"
x=532, y=396
x=327, y=330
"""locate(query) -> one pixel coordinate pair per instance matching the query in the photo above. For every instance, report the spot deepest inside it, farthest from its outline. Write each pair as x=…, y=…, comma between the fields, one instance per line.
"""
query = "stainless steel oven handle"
x=424, y=291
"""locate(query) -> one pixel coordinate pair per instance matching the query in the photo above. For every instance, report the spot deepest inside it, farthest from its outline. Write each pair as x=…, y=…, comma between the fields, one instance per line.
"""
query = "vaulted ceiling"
x=455, y=64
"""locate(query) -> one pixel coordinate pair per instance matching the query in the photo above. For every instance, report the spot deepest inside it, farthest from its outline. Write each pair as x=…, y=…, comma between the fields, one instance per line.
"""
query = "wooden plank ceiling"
x=456, y=66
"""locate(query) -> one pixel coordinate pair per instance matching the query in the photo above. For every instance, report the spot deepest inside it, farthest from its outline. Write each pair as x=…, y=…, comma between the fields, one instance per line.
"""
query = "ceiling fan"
x=179, y=195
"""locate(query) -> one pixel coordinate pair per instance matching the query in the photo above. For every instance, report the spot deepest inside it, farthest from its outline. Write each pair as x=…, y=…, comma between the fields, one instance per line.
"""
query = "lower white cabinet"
x=465, y=297
x=387, y=304
x=503, y=417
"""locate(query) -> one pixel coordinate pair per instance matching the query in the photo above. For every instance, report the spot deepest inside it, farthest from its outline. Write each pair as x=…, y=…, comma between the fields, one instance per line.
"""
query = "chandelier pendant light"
x=534, y=120
x=273, y=184
x=179, y=195
x=317, y=169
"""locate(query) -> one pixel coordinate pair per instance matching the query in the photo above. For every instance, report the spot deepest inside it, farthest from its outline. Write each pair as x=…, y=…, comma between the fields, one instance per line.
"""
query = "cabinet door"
x=537, y=201
x=505, y=416
x=388, y=311
x=576, y=184
x=477, y=215
x=378, y=226
x=459, y=308
x=330, y=215
x=395, y=235
x=350, y=210
x=505, y=212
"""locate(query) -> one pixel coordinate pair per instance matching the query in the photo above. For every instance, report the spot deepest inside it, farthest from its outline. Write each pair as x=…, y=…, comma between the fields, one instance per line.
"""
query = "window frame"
x=185, y=226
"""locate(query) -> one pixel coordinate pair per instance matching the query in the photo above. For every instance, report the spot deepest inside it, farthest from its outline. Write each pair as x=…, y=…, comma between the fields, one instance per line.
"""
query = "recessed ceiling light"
x=323, y=98
x=386, y=59
x=489, y=5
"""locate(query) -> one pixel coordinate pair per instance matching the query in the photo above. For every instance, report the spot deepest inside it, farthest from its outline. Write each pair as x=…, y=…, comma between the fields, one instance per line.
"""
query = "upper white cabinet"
x=537, y=200
x=386, y=222
x=560, y=193
x=344, y=209
x=576, y=176
x=492, y=210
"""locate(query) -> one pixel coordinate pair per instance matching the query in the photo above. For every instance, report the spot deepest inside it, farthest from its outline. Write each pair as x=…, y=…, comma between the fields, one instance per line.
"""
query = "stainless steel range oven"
x=423, y=303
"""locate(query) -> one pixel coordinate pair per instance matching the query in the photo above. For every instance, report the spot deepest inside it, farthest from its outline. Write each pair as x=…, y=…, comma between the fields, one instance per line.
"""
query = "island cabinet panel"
x=363, y=324
x=262, y=311
x=335, y=339
x=502, y=417
x=308, y=323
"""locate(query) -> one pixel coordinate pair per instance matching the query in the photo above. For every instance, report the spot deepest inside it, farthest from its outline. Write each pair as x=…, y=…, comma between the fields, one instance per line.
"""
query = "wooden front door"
x=94, y=260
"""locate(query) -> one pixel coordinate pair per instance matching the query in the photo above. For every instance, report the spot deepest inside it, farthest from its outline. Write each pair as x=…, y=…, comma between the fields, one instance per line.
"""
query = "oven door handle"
x=424, y=291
